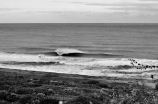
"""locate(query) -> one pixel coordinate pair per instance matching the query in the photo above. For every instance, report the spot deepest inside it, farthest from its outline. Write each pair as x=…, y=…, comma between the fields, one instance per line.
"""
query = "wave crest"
x=62, y=51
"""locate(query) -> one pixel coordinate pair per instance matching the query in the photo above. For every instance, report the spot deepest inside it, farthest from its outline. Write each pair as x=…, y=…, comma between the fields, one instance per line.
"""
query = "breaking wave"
x=67, y=52
x=69, y=62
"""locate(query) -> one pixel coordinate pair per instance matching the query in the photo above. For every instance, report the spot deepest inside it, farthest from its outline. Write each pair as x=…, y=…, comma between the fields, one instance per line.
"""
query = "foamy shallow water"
x=112, y=67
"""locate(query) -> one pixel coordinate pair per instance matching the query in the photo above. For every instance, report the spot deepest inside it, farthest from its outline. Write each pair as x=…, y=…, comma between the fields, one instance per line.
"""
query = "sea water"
x=85, y=49
x=126, y=40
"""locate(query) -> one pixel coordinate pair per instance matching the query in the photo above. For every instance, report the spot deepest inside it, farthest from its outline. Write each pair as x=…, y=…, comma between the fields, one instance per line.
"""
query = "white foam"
x=82, y=66
x=24, y=57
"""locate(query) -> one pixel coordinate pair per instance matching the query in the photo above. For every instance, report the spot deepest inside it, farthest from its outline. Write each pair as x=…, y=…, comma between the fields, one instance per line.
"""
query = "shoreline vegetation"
x=35, y=87
x=40, y=79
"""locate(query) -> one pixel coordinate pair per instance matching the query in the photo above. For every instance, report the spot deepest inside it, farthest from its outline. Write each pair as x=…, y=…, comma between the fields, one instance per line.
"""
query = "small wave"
x=67, y=52
x=86, y=55
x=91, y=55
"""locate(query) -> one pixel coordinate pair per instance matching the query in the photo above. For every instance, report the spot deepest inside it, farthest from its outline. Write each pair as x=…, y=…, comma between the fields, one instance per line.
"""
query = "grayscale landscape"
x=78, y=52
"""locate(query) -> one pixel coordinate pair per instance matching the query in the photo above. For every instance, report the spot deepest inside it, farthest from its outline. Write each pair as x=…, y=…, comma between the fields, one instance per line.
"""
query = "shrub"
x=3, y=95
x=12, y=97
x=24, y=91
x=50, y=92
x=44, y=81
x=49, y=101
x=10, y=82
x=92, y=82
x=37, y=101
x=156, y=86
x=4, y=87
x=102, y=85
x=2, y=83
x=40, y=95
x=4, y=102
x=20, y=77
x=30, y=84
x=83, y=100
x=27, y=99
x=40, y=90
x=47, y=75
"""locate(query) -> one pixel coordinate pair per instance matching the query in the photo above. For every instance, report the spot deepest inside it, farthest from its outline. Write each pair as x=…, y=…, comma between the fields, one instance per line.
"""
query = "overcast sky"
x=78, y=11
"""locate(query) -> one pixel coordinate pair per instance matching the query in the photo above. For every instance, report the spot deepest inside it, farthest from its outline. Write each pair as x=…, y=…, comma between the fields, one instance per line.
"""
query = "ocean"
x=97, y=40
x=113, y=50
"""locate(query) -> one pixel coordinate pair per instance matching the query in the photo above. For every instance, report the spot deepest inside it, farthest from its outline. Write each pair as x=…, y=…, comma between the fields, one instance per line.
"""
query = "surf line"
x=49, y=60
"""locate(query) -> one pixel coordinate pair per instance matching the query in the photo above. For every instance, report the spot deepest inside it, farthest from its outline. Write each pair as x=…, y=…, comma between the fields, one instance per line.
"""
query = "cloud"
x=147, y=6
x=80, y=10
